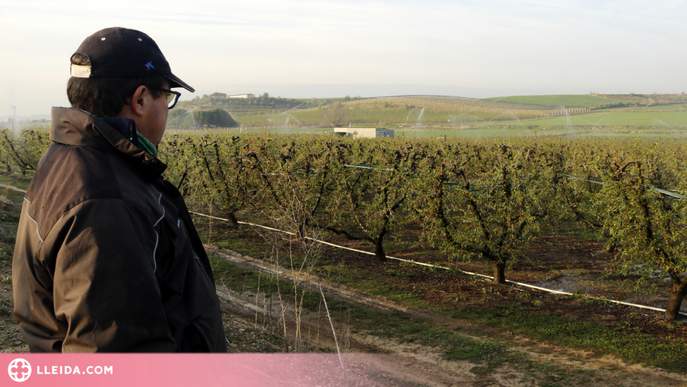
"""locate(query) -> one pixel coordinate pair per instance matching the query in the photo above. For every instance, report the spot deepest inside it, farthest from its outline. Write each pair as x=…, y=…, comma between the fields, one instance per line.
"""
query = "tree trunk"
x=500, y=272
x=379, y=249
x=232, y=219
x=301, y=229
x=678, y=290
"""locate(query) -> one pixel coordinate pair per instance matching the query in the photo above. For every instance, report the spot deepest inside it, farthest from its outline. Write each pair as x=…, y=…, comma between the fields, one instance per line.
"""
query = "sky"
x=368, y=48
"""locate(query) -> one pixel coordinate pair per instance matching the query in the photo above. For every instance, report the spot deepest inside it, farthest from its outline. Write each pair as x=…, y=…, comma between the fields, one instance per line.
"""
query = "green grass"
x=456, y=347
x=558, y=100
x=666, y=108
x=15, y=180
x=9, y=218
x=238, y=279
x=532, y=130
x=624, y=342
x=661, y=120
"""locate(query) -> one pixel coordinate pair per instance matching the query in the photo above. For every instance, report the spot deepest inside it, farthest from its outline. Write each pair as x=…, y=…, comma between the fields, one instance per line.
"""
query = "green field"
x=538, y=132
x=667, y=120
x=559, y=100
x=667, y=108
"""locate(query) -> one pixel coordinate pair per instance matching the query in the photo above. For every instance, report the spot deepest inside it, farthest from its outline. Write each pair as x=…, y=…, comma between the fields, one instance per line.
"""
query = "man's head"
x=119, y=72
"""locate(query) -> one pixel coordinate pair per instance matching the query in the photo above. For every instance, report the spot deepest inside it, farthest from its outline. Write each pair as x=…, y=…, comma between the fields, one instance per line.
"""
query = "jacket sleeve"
x=105, y=286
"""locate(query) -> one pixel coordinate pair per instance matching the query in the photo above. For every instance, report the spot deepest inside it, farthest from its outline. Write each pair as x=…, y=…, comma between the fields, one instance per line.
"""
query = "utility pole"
x=14, y=109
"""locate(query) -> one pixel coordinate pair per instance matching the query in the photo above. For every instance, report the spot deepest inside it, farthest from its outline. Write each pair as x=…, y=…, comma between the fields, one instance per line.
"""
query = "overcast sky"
x=329, y=48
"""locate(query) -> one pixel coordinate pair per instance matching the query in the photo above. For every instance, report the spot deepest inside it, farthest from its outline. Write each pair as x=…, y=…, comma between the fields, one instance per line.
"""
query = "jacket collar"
x=79, y=128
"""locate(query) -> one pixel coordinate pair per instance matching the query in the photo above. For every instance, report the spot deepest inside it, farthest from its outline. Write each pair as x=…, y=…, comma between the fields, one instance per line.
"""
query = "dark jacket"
x=107, y=257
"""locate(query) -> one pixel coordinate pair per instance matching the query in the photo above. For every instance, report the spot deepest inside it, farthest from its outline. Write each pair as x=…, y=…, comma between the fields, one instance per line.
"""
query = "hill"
x=408, y=111
x=596, y=101
x=591, y=101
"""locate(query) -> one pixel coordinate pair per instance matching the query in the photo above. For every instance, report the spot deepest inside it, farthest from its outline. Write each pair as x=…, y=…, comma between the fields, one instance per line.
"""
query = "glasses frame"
x=171, y=103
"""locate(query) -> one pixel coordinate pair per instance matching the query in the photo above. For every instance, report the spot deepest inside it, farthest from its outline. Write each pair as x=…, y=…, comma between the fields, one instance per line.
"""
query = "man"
x=107, y=258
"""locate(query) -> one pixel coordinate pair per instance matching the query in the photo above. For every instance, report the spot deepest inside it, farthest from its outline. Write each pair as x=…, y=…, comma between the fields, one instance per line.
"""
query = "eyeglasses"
x=172, y=97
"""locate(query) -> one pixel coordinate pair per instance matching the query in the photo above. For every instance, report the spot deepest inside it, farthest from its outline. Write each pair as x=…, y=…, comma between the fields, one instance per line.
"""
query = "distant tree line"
x=616, y=105
x=654, y=99
x=262, y=102
x=199, y=119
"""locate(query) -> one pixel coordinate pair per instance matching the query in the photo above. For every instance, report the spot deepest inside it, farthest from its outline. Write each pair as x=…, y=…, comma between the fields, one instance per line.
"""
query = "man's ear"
x=138, y=102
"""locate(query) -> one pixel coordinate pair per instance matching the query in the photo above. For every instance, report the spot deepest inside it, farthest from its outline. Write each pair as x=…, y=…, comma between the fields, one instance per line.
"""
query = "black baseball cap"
x=123, y=53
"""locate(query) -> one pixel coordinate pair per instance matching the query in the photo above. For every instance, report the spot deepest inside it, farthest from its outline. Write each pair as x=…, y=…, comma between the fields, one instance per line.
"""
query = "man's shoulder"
x=69, y=176
x=67, y=171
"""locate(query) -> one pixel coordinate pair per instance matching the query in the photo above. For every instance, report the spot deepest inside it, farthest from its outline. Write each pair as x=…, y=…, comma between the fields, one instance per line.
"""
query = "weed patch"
x=622, y=342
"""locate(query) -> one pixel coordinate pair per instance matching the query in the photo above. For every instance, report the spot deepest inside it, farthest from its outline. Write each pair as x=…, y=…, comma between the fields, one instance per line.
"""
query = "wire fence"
x=433, y=266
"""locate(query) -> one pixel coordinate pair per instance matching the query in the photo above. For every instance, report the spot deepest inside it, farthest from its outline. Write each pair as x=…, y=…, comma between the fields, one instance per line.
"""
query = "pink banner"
x=204, y=370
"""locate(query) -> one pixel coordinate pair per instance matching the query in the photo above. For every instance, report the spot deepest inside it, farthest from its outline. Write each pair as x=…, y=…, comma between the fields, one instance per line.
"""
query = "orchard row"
x=479, y=199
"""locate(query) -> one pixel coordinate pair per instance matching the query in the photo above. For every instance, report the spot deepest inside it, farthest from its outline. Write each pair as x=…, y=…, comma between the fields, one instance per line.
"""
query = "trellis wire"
x=413, y=262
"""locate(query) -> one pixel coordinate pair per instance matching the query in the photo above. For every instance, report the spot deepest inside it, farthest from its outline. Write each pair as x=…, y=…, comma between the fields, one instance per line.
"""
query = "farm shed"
x=364, y=132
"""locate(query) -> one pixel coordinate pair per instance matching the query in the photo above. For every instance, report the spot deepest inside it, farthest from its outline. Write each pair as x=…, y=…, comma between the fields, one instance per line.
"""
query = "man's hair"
x=106, y=96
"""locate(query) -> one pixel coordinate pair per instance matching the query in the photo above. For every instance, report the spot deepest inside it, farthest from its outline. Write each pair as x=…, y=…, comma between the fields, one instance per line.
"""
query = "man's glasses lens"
x=172, y=97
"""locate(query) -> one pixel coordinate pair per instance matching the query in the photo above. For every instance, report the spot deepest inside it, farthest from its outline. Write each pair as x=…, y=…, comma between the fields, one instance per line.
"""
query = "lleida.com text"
x=68, y=370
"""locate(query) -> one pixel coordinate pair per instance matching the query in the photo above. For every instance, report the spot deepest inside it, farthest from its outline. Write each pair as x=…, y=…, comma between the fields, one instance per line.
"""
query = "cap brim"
x=176, y=82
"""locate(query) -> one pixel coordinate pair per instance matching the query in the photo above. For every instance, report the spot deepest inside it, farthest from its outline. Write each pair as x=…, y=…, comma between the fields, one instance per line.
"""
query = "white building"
x=364, y=132
x=241, y=96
